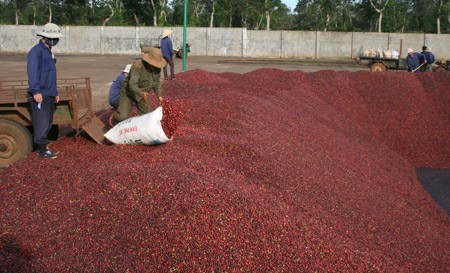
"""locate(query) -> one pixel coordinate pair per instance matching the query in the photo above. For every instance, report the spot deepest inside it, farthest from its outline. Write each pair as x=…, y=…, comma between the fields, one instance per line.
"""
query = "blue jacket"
x=167, y=47
x=412, y=62
x=429, y=56
x=41, y=68
x=114, y=90
x=422, y=57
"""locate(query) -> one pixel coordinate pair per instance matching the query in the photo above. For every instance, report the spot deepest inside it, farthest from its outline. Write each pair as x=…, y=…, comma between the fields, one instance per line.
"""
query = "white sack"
x=395, y=54
x=145, y=129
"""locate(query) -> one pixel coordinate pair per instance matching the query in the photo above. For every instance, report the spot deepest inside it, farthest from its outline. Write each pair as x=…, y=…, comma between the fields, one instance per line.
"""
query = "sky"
x=290, y=3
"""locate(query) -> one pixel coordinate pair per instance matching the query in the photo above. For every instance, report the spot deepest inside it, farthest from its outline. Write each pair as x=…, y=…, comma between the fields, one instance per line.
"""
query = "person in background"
x=144, y=77
x=116, y=85
x=42, y=87
x=423, y=59
x=412, y=61
x=430, y=59
x=167, y=52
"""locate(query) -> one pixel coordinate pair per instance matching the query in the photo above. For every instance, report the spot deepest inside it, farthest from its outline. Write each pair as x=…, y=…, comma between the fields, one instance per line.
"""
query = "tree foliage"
x=430, y=16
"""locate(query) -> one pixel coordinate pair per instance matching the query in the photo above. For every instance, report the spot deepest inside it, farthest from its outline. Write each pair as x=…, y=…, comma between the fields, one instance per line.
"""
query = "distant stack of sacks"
x=378, y=53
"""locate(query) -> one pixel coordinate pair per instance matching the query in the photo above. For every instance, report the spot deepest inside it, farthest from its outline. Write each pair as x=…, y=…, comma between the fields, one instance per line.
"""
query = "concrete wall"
x=299, y=44
x=331, y=44
x=229, y=42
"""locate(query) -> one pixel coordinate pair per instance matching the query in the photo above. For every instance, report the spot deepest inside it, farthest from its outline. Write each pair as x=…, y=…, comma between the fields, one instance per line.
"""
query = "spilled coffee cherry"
x=173, y=114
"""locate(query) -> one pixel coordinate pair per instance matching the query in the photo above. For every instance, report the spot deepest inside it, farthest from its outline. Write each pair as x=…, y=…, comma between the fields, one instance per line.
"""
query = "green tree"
x=319, y=14
x=430, y=16
x=396, y=16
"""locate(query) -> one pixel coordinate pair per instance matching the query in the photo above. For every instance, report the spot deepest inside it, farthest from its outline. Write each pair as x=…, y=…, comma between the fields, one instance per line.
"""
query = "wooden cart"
x=378, y=64
x=74, y=109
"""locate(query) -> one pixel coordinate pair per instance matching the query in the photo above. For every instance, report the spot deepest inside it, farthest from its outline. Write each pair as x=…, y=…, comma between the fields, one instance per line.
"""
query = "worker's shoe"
x=47, y=154
x=53, y=151
x=112, y=121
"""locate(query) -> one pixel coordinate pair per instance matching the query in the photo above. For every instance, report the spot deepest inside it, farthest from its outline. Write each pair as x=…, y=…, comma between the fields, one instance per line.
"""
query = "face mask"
x=51, y=42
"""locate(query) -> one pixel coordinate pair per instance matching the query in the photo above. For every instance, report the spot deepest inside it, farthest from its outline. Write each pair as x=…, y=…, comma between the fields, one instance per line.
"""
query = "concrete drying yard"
x=103, y=69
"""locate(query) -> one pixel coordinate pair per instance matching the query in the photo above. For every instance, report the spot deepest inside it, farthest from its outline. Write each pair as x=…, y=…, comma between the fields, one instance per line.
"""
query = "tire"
x=377, y=67
x=15, y=142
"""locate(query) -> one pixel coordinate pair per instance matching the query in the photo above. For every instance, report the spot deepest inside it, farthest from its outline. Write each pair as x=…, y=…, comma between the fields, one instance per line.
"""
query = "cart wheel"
x=180, y=53
x=377, y=67
x=15, y=142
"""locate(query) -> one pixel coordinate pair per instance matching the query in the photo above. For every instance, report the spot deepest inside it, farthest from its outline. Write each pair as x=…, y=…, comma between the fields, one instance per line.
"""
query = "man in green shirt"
x=144, y=77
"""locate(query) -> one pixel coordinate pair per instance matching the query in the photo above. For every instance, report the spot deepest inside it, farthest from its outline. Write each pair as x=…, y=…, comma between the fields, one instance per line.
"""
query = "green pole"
x=183, y=69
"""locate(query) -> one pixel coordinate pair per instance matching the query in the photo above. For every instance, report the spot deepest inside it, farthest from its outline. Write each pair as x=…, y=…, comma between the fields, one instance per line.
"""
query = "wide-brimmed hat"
x=166, y=32
x=409, y=50
x=50, y=31
x=154, y=57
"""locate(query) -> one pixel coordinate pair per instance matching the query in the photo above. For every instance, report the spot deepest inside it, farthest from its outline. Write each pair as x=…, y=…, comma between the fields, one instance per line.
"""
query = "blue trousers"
x=42, y=116
x=172, y=68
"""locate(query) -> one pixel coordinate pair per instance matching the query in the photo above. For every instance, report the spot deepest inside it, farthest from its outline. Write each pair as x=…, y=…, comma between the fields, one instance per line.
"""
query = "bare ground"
x=103, y=69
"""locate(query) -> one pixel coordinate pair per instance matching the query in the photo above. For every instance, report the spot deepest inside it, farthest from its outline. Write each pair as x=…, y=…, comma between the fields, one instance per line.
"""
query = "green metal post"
x=183, y=68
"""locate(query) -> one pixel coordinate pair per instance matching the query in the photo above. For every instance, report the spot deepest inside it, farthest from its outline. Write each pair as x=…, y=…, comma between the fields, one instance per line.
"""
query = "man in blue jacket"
x=412, y=61
x=423, y=59
x=167, y=52
x=42, y=87
x=429, y=56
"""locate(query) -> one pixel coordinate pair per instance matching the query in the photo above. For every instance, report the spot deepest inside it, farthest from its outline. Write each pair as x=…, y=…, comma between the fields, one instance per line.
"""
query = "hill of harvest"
x=269, y=171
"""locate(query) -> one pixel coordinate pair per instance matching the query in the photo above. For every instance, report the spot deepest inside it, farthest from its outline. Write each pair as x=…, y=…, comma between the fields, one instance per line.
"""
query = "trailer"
x=378, y=64
x=179, y=51
x=440, y=66
x=74, y=108
x=380, y=60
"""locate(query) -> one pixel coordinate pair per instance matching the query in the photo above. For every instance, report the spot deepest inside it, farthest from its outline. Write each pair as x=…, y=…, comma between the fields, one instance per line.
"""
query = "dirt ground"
x=103, y=69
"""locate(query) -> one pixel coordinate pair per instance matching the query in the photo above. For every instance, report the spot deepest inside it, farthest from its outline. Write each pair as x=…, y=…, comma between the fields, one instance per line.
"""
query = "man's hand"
x=56, y=99
x=144, y=96
x=38, y=97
